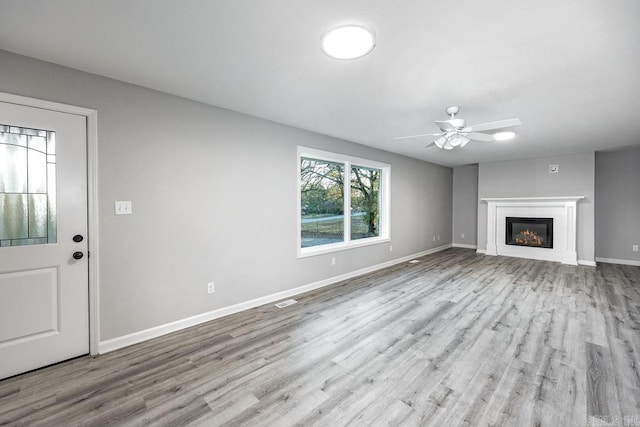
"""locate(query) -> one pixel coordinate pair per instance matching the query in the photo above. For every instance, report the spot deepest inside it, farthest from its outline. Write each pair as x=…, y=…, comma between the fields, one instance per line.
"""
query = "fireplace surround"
x=563, y=211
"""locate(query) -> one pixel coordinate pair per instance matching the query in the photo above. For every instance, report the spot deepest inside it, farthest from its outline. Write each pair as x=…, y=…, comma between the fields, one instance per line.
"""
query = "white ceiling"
x=570, y=70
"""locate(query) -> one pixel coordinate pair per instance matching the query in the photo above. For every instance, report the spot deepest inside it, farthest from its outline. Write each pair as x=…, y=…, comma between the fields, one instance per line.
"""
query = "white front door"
x=44, y=307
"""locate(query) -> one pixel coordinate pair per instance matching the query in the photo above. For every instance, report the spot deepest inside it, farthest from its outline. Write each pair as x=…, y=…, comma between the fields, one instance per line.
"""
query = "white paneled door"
x=44, y=308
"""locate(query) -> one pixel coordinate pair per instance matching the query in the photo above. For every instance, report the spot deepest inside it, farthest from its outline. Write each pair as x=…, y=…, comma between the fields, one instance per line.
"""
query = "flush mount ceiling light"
x=504, y=136
x=348, y=41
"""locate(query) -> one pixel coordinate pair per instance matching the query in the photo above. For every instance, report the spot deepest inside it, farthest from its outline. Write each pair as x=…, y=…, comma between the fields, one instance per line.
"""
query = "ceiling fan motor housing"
x=457, y=123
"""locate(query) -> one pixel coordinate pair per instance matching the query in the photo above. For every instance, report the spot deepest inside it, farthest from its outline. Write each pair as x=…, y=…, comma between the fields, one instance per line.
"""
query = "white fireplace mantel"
x=561, y=208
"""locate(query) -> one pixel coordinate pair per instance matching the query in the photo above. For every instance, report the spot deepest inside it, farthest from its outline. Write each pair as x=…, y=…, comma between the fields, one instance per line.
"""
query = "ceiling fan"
x=454, y=132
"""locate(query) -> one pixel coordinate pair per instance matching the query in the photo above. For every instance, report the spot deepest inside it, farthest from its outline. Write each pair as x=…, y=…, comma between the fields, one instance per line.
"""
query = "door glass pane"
x=14, y=212
x=37, y=143
x=37, y=181
x=52, y=229
x=13, y=168
x=38, y=223
x=27, y=186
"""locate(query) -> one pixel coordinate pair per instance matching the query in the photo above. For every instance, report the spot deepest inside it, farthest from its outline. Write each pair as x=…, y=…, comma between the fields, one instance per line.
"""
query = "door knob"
x=78, y=238
x=77, y=255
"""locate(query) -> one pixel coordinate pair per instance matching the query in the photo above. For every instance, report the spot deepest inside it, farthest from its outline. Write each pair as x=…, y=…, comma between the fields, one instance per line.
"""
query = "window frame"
x=383, y=196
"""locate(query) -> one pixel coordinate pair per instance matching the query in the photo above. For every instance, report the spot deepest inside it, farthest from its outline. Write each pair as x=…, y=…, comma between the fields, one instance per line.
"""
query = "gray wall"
x=531, y=177
x=214, y=199
x=618, y=204
x=465, y=205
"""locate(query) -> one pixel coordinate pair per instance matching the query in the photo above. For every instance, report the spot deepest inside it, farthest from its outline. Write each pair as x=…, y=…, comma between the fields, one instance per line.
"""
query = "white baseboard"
x=580, y=261
x=618, y=261
x=461, y=245
x=147, y=334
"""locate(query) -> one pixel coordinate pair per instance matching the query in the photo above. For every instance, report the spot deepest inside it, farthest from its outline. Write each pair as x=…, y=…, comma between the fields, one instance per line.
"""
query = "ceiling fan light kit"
x=504, y=136
x=455, y=133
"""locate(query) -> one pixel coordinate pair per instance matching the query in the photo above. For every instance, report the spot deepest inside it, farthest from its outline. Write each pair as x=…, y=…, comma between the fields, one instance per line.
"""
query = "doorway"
x=45, y=272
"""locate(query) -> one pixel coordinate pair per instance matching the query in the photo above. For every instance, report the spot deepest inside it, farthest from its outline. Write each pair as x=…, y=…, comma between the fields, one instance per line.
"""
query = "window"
x=343, y=202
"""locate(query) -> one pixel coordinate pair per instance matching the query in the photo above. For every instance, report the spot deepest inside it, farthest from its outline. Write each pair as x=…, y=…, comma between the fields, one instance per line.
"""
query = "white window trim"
x=384, y=198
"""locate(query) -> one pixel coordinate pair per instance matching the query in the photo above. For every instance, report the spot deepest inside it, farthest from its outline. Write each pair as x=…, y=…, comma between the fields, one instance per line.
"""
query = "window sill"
x=338, y=247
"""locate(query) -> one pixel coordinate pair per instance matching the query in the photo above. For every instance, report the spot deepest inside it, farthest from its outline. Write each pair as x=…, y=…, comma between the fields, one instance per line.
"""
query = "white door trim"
x=92, y=200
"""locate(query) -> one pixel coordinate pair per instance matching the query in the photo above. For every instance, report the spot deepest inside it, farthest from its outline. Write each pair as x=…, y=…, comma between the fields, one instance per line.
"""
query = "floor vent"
x=286, y=303
x=414, y=261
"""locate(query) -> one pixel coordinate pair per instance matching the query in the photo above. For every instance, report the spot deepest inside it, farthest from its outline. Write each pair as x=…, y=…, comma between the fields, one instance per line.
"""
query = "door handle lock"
x=78, y=238
x=77, y=255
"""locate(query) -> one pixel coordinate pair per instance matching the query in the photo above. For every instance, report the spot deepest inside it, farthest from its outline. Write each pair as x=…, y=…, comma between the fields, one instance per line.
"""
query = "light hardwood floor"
x=456, y=339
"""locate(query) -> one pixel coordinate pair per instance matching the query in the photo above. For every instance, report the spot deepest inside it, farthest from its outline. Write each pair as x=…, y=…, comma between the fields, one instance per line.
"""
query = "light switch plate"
x=123, y=207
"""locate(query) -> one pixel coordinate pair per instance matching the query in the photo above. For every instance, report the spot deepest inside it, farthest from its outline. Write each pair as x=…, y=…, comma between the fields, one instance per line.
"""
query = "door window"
x=27, y=186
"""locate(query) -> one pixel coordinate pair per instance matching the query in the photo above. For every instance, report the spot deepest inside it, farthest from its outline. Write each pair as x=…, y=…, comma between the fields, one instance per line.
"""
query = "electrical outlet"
x=438, y=237
x=434, y=238
x=333, y=260
x=390, y=248
x=462, y=235
x=634, y=248
x=211, y=287
x=554, y=168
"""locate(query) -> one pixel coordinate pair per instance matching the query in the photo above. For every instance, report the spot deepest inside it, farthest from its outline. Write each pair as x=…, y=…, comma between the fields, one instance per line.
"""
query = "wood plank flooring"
x=456, y=339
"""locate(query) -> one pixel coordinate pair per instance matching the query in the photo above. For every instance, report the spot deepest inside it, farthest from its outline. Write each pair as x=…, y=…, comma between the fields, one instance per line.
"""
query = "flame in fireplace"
x=528, y=238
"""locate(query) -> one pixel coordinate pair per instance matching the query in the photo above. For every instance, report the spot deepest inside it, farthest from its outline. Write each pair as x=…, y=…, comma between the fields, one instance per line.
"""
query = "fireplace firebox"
x=532, y=232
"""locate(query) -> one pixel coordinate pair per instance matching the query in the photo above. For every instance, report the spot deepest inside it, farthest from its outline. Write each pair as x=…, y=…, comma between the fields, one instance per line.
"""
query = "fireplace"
x=532, y=232
x=563, y=210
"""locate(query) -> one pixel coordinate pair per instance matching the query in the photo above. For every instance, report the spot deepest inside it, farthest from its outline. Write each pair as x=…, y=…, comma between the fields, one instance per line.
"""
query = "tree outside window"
x=365, y=206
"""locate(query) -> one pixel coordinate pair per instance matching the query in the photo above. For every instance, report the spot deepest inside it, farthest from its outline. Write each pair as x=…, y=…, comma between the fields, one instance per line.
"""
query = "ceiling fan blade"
x=418, y=136
x=493, y=125
x=477, y=136
x=430, y=145
x=445, y=125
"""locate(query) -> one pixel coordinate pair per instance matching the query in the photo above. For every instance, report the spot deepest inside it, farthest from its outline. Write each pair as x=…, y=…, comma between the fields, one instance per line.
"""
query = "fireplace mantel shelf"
x=561, y=208
x=533, y=199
